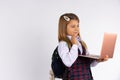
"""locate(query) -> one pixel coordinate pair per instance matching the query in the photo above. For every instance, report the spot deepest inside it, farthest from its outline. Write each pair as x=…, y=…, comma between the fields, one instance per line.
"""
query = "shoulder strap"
x=55, y=53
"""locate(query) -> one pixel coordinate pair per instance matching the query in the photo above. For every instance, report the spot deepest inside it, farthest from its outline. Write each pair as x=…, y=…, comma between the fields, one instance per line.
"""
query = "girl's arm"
x=68, y=56
x=94, y=62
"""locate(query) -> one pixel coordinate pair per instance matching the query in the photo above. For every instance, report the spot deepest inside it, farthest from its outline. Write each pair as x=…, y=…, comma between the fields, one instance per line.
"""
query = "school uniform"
x=78, y=68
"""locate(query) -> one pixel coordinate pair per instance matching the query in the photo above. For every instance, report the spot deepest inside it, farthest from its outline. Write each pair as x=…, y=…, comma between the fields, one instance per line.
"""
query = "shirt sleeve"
x=68, y=56
x=94, y=63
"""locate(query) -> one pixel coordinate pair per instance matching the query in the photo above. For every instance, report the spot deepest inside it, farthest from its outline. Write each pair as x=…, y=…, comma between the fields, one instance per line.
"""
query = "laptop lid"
x=108, y=45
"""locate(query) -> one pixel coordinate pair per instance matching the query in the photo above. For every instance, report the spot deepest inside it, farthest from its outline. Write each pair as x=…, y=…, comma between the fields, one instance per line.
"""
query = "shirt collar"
x=78, y=38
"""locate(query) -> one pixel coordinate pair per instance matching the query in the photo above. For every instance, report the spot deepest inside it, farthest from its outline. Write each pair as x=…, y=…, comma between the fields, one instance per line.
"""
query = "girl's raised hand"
x=73, y=40
x=104, y=59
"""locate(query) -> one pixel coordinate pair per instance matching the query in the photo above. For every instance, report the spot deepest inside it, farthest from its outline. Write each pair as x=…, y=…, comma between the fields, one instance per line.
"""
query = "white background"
x=29, y=29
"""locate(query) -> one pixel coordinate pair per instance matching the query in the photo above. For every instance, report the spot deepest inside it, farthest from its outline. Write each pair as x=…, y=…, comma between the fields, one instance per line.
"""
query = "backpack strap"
x=55, y=54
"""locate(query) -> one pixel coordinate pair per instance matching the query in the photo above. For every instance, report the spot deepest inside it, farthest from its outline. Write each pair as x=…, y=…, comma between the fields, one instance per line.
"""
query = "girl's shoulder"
x=62, y=43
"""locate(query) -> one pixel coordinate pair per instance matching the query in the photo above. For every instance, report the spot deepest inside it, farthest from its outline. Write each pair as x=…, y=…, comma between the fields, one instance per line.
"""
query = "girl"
x=71, y=46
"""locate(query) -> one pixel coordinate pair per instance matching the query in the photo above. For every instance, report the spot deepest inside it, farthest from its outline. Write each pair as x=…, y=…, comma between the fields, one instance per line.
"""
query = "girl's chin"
x=76, y=34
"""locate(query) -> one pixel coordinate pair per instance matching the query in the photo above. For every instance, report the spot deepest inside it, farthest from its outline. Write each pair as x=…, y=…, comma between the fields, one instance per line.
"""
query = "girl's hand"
x=104, y=59
x=73, y=40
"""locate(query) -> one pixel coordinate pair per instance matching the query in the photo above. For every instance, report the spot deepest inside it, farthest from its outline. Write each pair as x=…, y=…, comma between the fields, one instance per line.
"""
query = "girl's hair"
x=62, y=28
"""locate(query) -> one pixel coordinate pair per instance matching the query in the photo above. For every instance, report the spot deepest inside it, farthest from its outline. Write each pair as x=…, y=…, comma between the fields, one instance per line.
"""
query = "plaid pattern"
x=80, y=70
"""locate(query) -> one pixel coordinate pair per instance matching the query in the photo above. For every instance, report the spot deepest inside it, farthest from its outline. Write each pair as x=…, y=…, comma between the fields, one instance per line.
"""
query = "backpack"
x=57, y=65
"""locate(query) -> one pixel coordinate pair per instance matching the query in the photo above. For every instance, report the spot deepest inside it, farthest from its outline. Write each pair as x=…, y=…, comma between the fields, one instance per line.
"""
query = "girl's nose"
x=76, y=28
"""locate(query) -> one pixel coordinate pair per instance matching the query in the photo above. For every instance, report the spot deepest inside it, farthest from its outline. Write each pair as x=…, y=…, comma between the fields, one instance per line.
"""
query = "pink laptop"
x=108, y=47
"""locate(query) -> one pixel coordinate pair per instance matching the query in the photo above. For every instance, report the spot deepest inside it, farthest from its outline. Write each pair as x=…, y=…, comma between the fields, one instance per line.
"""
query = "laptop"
x=107, y=49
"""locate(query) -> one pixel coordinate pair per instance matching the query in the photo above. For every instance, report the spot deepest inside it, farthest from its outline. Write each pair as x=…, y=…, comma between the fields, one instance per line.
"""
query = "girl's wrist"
x=101, y=60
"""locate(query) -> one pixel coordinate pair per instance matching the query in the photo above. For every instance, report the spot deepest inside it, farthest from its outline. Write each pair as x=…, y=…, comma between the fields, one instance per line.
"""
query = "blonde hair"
x=62, y=28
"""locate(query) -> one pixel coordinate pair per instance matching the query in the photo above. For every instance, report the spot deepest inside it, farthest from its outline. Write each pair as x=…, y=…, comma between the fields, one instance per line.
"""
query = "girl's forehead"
x=73, y=22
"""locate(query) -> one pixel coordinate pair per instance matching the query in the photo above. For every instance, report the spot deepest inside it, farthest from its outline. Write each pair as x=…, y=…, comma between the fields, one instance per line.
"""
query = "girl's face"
x=73, y=28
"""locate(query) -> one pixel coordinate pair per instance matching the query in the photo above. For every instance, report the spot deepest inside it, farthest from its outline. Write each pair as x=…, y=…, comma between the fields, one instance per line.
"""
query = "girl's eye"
x=72, y=26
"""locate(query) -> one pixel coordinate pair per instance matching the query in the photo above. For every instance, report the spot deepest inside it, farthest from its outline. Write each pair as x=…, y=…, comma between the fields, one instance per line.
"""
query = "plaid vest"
x=80, y=69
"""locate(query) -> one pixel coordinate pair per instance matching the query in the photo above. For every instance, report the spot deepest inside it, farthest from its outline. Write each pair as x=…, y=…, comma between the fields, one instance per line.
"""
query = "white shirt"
x=69, y=56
